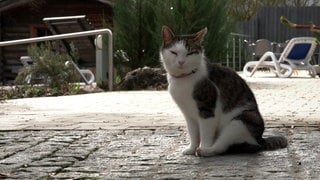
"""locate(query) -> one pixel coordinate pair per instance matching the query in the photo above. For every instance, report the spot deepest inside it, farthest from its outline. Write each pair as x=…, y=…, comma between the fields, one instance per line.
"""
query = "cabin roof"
x=10, y=4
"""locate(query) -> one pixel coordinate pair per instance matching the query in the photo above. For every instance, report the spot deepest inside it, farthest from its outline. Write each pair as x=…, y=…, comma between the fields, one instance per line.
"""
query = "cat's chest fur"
x=182, y=92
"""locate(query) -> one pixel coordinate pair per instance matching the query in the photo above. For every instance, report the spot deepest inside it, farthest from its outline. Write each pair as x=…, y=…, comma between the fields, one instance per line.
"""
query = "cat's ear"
x=199, y=36
x=167, y=35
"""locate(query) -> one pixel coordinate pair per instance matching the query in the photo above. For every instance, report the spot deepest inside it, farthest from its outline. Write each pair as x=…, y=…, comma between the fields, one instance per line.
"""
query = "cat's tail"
x=265, y=144
x=274, y=142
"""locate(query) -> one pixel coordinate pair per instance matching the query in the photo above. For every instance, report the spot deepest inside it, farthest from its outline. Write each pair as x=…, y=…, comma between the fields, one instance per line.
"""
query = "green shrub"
x=137, y=27
x=49, y=68
x=193, y=15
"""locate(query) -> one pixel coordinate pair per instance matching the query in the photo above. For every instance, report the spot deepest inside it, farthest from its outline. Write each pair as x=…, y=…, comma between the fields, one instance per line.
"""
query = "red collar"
x=184, y=74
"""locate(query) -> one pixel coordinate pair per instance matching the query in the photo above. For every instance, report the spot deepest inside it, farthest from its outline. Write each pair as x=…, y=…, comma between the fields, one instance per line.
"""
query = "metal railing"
x=237, y=54
x=101, y=75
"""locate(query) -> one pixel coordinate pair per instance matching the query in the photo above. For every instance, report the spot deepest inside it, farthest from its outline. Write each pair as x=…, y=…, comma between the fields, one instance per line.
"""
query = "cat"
x=220, y=109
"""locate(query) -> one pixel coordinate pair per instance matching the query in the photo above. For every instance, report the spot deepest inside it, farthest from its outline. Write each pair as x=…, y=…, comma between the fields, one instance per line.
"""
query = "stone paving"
x=140, y=135
x=147, y=154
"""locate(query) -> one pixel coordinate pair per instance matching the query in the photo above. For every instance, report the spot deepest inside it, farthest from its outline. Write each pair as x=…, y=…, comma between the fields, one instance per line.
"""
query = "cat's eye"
x=192, y=52
x=174, y=53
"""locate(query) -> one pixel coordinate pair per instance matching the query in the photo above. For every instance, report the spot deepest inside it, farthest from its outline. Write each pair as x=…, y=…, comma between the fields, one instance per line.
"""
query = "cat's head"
x=181, y=54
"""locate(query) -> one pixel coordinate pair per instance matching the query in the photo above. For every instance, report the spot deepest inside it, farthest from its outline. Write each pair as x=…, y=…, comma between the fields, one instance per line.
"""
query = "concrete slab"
x=291, y=101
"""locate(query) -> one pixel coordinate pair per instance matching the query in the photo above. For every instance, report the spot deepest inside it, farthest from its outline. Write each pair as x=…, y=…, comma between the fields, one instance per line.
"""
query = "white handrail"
x=72, y=35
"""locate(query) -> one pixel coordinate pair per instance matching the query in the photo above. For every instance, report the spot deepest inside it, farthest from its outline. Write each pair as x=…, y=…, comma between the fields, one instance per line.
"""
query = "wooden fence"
x=266, y=24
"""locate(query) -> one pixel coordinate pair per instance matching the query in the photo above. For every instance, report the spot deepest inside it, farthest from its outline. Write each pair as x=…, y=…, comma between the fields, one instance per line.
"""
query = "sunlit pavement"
x=141, y=135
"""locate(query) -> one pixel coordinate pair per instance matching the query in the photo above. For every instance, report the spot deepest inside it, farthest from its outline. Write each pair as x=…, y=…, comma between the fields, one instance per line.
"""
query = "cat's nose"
x=181, y=62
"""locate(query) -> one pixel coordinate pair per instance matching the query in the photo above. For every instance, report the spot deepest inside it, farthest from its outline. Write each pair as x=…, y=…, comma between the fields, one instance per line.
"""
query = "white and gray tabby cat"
x=220, y=109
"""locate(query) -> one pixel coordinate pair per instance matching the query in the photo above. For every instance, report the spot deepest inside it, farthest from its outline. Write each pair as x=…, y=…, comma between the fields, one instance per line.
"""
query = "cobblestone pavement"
x=141, y=134
x=148, y=154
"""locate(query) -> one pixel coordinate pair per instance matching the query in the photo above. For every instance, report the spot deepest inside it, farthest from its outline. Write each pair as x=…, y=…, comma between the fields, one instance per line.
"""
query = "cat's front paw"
x=205, y=152
x=189, y=151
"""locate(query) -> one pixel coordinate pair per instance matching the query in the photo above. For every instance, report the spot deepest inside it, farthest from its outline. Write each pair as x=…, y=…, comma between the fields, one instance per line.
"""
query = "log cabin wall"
x=25, y=21
x=1, y=57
